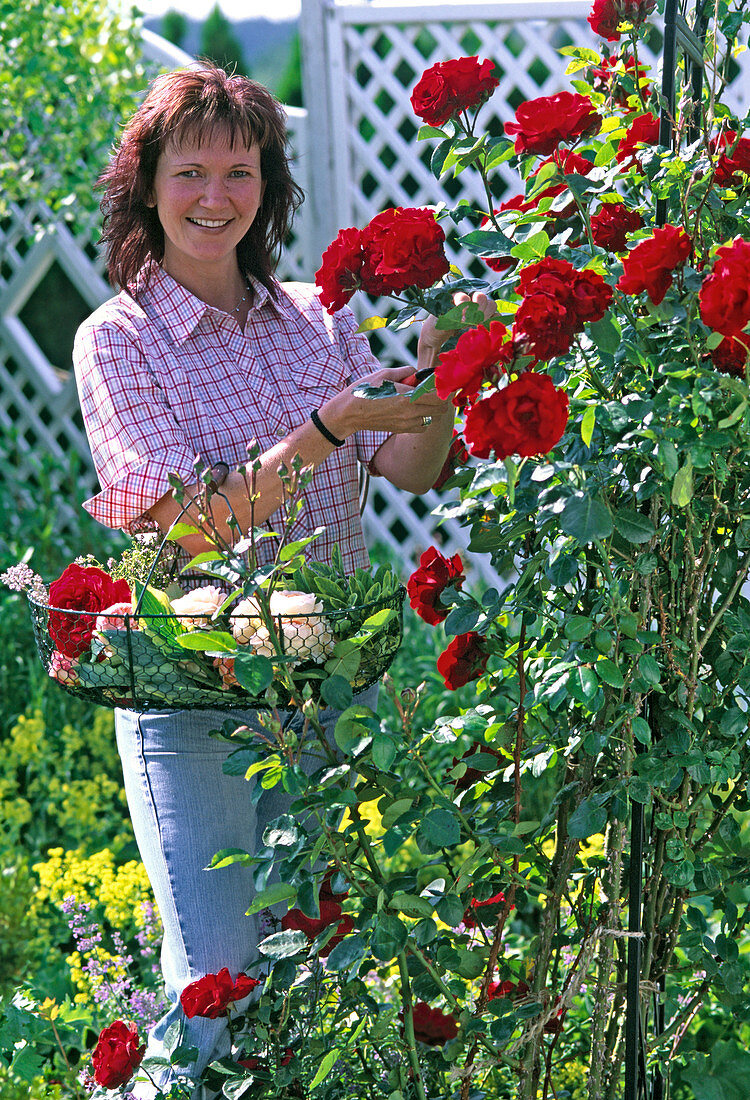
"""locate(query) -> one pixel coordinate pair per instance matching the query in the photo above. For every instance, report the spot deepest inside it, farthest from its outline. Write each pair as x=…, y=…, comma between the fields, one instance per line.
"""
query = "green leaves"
x=586, y=518
x=253, y=671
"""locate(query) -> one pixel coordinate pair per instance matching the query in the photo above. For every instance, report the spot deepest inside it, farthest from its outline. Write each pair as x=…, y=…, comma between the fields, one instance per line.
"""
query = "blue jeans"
x=184, y=809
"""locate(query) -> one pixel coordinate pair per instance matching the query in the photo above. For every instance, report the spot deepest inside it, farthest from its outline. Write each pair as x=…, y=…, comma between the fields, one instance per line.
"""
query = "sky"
x=233, y=9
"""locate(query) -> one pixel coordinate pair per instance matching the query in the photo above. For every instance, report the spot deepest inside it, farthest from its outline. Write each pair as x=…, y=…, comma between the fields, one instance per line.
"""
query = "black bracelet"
x=324, y=431
x=219, y=473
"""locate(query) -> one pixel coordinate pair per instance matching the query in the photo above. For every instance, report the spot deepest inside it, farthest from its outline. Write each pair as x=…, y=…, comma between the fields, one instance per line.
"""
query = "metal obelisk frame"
x=691, y=42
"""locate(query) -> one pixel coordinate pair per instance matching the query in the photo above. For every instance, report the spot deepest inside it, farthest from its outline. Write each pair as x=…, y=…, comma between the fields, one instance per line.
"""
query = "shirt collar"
x=182, y=311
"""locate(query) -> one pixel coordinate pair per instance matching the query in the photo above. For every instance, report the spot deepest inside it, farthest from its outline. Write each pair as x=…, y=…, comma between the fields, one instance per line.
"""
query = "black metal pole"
x=668, y=77
x=632, y=1000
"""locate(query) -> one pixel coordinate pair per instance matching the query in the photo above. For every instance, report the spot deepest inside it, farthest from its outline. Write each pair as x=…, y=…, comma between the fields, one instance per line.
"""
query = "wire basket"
x=128, y=660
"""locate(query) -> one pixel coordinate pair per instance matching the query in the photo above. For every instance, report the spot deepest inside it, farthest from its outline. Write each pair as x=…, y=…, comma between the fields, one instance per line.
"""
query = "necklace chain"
x=244, y=298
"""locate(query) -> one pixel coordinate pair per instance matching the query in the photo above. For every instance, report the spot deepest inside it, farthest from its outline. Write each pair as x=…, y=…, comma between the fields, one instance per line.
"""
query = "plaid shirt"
x=168, y=378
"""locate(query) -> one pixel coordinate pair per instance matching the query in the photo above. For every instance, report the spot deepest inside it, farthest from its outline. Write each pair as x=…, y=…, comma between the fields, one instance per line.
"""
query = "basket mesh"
x=127, y=660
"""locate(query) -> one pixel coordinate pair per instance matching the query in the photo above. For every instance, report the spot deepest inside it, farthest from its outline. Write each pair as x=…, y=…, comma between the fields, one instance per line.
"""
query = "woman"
x=201, y=352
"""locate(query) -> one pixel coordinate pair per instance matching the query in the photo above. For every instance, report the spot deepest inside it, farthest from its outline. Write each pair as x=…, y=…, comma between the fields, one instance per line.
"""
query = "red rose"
x=558, y=300
x=431, y=1026
x=211, y=995
x=590, y=296
x=611, y=223
x=452, y=86
x=541, y=124
x=731, y=166
x=725, y=294
x=81, y=588
x=427, y=584
x=477, y=357
x=484, y=912
x=457, y=456
x=404, y=247
x=643, y=130
x=730, y=357
x=117, y=1054
x=339, y=275
x=330, y=913
x=650, y=265
x=465, y=659
x=608, y=76
x=606, y=15
x=512, y=990
x=543, y=325
x=527, y=417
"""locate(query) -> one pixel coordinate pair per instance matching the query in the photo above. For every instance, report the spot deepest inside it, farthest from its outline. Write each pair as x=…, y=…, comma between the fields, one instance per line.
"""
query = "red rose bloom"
x=339, y=275
x=606, y=15
x=465, y=659
x=650, y=265
x=541, y=124
x=730, y=357
x=117, y=1054
x=478, y=357
x=731, y=167
x=427, y=584
x=211, y=995
x=643, y=130
x=527, y=417
x=611, y=224
x=431, y=1026
x=457, y=456
x=590, y=296
x=81, y=588
x=452, y=86
x=330, y=913
x=558, y=300
x=725, y=294
x=543, y=326
x=484, y=912
x=404, y=247
x=512, y=990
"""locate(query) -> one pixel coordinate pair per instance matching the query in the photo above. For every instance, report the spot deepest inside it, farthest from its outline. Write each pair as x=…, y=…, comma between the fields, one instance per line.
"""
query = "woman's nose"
x=214, y=191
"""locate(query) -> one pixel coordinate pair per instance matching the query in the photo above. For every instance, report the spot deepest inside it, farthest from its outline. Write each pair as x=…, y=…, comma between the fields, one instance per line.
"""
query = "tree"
x=220, y=44
x=70, y=73
x=289, y=88
x=174, y=27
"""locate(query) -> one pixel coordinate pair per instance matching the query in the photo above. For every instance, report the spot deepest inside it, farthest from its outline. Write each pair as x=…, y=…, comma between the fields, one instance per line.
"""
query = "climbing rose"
x=611, y=224
x=725, y=294
x=478, y=357
x=558, y=300
x=452, y=86
x=474, y=775
x=117, y=1054
x=738, y=161
x=465, y=659
x=527, y=417
x=431, y=1026
x=541, y=124
x=81, y=588
x=330, y=913
x=643, y=130
x=484, y=912
x=650, y=265
x=211, y=995
x=606, y=15
x=607, y=78
x=404, y=247
x=427, y=584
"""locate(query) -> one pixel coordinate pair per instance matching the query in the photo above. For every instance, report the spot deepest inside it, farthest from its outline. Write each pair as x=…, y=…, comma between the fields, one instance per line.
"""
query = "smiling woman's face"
x=206, y=195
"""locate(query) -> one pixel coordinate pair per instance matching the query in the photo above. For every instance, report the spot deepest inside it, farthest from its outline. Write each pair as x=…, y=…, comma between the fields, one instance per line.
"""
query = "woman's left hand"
x=431, y=338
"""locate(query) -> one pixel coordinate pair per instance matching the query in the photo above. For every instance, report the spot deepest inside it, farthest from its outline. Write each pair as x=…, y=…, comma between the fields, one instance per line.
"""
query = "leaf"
x=487, y=242
x=371, y=323
x=325, y=1067
x=440, y=828
x=208, y=641
x=609, y=672
x=605, y=334
x=586, y=820
x=585, y=518
x=336, y=692
x=272, y=895
x=588, y=422
x=347, y=952
x=253, y=671
x=682, y=486
x=411, y=904
x=345, y=662
x=633, y=526
x=388, y=938
x=375, y=393
x=283, y=945
x=649, y=669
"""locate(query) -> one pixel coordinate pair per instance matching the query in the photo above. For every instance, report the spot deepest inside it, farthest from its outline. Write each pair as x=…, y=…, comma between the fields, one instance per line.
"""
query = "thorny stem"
x=411, y=1041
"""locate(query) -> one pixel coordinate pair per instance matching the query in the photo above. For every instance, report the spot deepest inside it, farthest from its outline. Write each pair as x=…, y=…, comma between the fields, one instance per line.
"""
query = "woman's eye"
x=190, y=173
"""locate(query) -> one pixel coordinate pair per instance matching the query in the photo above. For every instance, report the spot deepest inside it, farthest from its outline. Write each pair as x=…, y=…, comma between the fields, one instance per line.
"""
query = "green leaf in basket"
x=158, y=617
x=253, y=671
x=371, y=625
x=345, y=661
x=208, y=641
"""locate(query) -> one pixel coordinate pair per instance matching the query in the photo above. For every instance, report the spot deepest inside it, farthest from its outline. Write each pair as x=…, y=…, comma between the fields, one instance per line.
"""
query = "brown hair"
x=191, y=104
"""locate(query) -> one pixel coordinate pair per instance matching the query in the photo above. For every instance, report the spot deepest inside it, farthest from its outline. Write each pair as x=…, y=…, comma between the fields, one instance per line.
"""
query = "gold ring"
x=426, y=420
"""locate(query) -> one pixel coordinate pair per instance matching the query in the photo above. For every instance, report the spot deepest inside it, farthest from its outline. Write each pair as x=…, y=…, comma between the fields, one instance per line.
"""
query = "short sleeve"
x=134, y=436
x=356, y=350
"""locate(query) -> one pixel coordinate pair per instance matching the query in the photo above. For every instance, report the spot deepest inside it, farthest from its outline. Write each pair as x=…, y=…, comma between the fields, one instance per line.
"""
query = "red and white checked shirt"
x=167, y=378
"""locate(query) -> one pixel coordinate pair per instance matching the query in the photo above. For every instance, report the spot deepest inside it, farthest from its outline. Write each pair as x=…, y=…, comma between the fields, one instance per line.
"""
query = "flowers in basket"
x=101, y=633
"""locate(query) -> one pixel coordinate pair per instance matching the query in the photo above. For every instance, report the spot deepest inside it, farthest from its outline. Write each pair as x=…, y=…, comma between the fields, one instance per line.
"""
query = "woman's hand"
x=398, y=414
x=431, y=338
